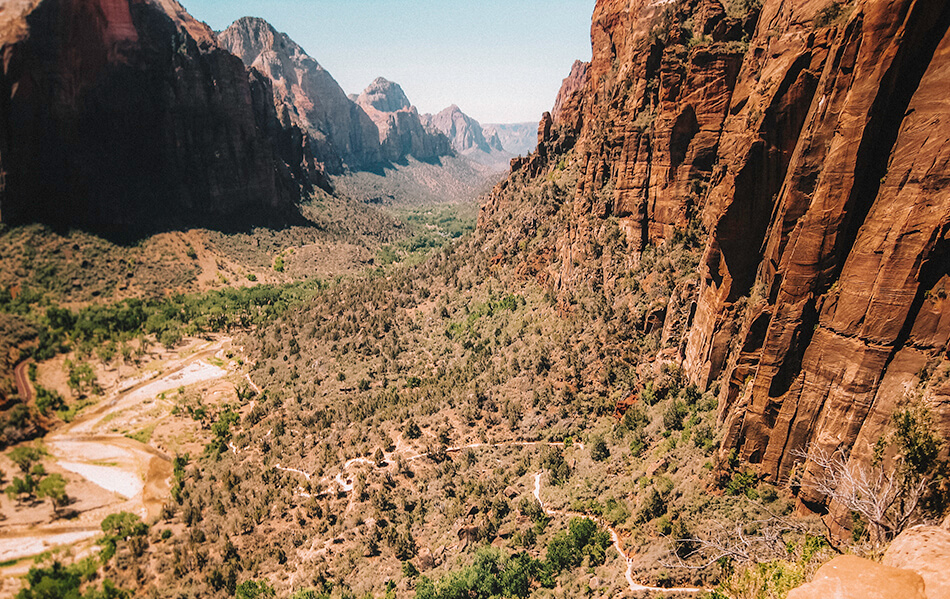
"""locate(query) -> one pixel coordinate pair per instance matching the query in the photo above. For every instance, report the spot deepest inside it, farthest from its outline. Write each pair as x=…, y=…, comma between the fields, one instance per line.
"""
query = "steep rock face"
x=469, y=139
x=825, y=281
x=401, y=129
x=811, y=143
x=341, y=131
x=641, y=123
x=567, y=104
x=119, y=113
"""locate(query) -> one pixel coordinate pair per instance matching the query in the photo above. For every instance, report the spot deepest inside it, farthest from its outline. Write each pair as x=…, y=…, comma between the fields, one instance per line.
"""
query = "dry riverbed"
x=116, y=455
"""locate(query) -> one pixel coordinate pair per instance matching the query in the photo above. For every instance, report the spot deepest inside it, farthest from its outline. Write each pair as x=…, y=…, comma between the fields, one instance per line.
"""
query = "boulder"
x=851, y=577
x=926, y=551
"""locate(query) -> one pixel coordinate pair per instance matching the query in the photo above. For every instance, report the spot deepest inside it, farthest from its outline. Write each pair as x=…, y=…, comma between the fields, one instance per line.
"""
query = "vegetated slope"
x=449, y=180
x=809, y=140
x=140, y=121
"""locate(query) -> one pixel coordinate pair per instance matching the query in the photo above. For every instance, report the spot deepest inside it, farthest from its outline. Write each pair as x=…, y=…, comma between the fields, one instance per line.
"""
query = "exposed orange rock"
x=926, y=551
x=830, y=247
x=814, y=146
x=851, y=577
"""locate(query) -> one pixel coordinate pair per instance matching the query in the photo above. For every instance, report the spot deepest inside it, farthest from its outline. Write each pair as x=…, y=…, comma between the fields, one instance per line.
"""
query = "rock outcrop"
x=464, y=132
x=851, y=577
x=306, y=94
x=926, y=551
x=122, y=115
x=808, y=145
x=402, y=131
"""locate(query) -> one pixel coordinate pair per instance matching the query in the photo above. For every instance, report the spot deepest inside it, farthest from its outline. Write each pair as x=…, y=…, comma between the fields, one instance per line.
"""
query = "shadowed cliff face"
x=812, y=142
x=120, y=115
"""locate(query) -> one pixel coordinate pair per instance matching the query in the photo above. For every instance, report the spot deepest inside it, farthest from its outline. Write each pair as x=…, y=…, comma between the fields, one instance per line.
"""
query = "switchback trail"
x=634, y=586
x=346, y=485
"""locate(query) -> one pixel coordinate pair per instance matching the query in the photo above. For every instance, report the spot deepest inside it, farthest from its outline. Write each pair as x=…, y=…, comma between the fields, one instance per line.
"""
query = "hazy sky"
x=500, y=61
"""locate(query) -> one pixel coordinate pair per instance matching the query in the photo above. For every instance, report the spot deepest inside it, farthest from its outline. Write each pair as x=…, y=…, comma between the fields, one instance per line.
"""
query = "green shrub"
x=254, y=589
x=674, y=414
x=598, y=449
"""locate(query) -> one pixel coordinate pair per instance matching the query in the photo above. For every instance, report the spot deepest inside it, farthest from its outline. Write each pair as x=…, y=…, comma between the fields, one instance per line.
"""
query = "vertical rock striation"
x=811, y=140
x=823, y=300
x=306, y=94
x=119, y=115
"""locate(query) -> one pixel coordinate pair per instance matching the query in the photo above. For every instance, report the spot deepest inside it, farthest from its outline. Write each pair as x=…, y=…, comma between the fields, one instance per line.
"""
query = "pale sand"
x=17, y=547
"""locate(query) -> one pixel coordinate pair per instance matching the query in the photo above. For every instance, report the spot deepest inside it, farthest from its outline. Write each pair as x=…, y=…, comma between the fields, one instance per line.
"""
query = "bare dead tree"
x=887, y=496
x=742, y=542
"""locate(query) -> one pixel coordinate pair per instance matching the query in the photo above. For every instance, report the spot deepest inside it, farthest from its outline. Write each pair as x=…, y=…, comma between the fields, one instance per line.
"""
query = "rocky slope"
x=191, y=136
x=306, y=94
x=402, y=131
x=808, y=144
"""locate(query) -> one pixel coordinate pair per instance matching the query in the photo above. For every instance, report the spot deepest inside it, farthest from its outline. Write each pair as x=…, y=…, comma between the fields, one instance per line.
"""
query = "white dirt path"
x=634, y=585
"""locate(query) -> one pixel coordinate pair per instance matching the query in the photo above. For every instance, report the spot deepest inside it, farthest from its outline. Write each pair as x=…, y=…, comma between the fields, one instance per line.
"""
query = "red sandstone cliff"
x=811, y=141
x=116, y=113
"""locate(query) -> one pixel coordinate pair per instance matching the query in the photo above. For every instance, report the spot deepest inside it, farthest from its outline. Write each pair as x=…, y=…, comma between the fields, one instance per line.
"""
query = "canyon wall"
x=307, y=94
x=808, y=145
x=119, y=115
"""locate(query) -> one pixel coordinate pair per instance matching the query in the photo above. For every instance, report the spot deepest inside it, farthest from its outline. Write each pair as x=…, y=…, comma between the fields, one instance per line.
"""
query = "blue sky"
x=500, y=61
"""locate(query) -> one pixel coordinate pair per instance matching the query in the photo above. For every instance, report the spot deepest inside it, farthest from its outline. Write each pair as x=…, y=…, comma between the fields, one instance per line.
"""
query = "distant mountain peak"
x=468, y=137
x=384, y=95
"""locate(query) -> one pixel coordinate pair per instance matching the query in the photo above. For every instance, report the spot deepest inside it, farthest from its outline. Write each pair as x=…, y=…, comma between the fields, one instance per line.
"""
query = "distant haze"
x=501, y=62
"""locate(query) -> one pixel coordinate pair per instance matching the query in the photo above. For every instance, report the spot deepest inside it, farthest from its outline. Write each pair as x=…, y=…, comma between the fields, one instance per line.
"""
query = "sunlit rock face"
x=306, y=94
x=402, y=131
x=814, y=147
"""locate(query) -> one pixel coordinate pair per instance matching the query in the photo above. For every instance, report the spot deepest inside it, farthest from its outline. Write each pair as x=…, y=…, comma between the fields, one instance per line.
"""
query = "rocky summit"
x=402, y=131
